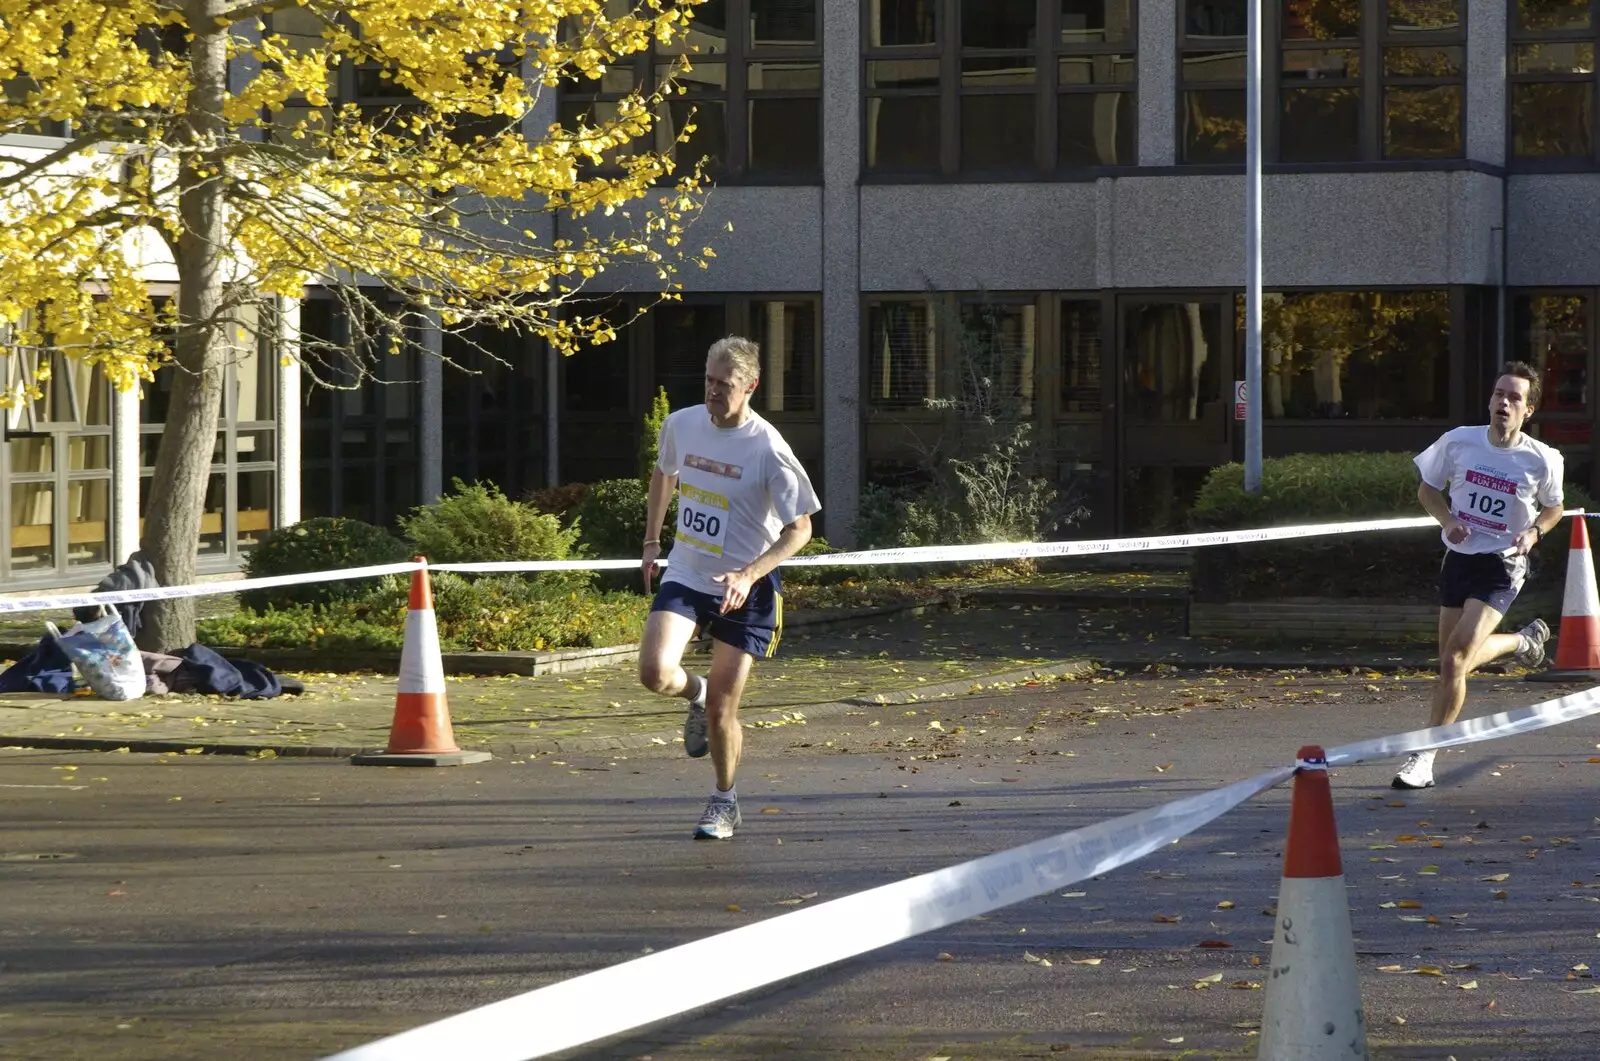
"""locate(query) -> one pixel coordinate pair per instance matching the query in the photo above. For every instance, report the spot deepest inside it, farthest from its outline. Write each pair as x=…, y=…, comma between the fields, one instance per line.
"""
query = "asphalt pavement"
x=180, y=906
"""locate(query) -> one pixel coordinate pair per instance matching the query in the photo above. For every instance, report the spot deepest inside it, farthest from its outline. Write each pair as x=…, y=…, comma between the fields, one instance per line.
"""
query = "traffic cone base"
x=1313, y=1006
x=421, y=734
x=1578, y=644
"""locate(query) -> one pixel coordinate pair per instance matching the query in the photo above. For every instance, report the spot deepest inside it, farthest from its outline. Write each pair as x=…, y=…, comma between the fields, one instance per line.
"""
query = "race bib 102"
x=702, y=519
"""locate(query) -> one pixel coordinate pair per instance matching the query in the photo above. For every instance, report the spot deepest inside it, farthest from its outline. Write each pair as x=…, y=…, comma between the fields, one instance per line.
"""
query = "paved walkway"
x=891, y=660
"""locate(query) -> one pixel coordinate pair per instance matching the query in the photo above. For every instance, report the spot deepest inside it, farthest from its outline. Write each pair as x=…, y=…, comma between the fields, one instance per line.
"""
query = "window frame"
x=1541, y=416
x=1515, y=37
x=948, y=52
x=736, y=96
x=1374, y=38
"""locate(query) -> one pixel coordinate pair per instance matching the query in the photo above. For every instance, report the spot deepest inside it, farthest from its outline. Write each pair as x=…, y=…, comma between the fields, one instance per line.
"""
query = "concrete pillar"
x=286, y=351
x=1158, y=82
x=430, y=450
x=841, y=268
x=1486, y=81
x=124, y=474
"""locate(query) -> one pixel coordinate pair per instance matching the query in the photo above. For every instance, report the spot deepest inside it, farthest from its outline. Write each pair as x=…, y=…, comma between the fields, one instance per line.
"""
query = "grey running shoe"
x=1534, y=635
x=696, y=725
x=720, y=819
x=1416, y=773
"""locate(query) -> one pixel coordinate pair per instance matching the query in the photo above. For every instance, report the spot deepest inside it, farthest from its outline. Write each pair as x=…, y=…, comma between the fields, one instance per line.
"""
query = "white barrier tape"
x=1489, y=727
x=622, y=997
x=55, y=601
x=490, y=567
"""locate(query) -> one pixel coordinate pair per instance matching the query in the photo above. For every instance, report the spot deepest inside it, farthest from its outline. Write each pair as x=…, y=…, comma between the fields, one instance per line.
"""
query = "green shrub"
x=496, y=613
x=650, y=438
x=612, y=518
x=1332, y=487
x=321, y=544
x=479, y=523
x=560, y=501
x=899, y=517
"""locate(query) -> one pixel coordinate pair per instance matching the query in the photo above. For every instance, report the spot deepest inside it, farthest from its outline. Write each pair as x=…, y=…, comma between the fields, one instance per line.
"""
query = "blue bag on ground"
x=104, y=653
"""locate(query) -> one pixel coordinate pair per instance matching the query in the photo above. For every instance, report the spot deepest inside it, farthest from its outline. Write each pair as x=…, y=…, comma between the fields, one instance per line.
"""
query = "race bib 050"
x=702, y=519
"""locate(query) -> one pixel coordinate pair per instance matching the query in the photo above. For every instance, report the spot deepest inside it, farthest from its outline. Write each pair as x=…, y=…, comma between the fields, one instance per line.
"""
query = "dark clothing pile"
x=196, y=669
x=137, y=573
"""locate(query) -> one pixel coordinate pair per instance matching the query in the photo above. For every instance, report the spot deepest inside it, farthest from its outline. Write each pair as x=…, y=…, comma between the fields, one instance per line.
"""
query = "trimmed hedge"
x=1328, y=487
x=326, y=543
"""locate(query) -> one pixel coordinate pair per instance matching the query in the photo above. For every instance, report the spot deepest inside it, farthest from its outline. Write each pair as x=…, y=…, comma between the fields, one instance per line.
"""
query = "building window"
x=996, y=357
x=1080, y=357
x=683, y=332
x=56, y=466
x=1552, y=79
x=240, y=497
x=1008, y=87
x=493, y=409
x=1363, y=355
x=787, y=332
x=1553, y=331
x=360, y=427
x=1211, y=81
x=753, y=95
x=902, y=354
x=1357, y=80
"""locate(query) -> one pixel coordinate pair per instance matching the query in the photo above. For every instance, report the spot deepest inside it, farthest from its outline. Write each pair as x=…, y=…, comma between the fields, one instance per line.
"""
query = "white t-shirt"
x=738, y=487
x=1497, y=491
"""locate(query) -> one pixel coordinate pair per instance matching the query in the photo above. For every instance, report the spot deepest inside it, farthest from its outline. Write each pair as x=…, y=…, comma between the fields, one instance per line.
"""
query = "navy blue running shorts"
x=1494, y=579
x=753, y=629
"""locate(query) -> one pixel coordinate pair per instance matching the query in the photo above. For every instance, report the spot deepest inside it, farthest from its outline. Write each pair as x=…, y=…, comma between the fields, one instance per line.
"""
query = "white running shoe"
x=720, y=819
x=1416, y=773
x=1534, y=635
x=696, y=725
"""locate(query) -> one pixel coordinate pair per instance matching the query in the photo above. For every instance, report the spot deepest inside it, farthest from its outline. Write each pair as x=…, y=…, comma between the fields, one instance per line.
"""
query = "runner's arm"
x=1543, y=524
x=662, y=487
x=1438, y=506
x=791, y=540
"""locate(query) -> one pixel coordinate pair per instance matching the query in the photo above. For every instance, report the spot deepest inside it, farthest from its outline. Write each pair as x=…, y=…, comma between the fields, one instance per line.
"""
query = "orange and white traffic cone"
x=1578, y=645
x=1313, y=997
x=421, y=734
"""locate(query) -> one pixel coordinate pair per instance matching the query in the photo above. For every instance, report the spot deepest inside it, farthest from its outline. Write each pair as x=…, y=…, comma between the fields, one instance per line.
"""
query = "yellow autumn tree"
x=237, y=144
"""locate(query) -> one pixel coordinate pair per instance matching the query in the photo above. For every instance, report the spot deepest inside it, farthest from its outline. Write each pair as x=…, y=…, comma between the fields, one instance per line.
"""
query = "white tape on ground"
x=1490, y=727
x=622, y=997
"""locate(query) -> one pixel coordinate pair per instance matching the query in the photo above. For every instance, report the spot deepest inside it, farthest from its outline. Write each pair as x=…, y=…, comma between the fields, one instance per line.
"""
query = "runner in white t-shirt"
x=1495, y=492
x=744, y=507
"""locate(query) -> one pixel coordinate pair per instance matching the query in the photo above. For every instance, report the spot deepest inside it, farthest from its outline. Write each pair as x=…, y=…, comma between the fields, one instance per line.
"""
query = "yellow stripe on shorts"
x=777, y=629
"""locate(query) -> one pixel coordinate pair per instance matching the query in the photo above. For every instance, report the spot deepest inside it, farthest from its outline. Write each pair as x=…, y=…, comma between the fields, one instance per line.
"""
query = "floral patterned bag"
x=104, y=653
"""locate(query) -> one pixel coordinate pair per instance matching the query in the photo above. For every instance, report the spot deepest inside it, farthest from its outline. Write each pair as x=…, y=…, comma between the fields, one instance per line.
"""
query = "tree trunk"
x=183, y=462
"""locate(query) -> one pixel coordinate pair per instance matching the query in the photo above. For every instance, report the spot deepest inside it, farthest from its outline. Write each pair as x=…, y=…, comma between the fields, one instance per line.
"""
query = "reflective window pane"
x=1101, y=69
x=1214, y=66
x=997, y=350
x=683, y=334
x=702, y=124
x=1422, y=122
x=32, y=456
x=708, y=33
x=783, y=23
x=997, y=132
x=1552, y=14
x=88, y=453
x=89, y=521
x=986, y=71
x=213, y=535
x=787, y=333
x=1172, y=358
x=1216, y=18
x=1551, y=332
x=1095, y=129
x=999, y=23
x=784, y=75
x=903, y=134
x=902, y=369
x=1213, y=125
x=1424, y=16
x=1552, y=120
x=1553, y=57
x=903, y=23
x=903, y=73
x=1080, y=356
x=785, y=135
x=1356, y=354
x=597, y=377
x=1321, y=20
x=256, y=496
x=1320, y=64
x=33, y=520
x=1423, y=62
x=1096, y=21
x=1320, y=125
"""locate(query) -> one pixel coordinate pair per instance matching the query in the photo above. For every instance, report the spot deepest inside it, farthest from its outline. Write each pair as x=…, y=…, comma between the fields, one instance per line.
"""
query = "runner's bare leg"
x=666, y=636
x=1467, y=641
x=729, y=669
